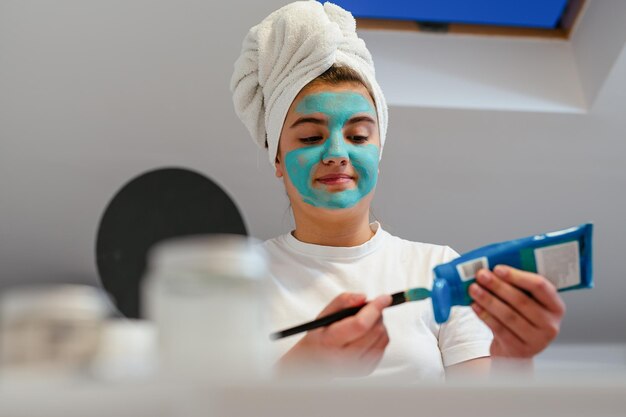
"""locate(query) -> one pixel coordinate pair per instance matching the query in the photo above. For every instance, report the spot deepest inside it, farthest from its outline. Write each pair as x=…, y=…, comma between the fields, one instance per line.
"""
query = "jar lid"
x=233, y=256
x=54, y=300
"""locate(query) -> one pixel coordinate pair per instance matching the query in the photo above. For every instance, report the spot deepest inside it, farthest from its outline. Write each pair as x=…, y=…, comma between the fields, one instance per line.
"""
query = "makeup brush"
x=413, y=294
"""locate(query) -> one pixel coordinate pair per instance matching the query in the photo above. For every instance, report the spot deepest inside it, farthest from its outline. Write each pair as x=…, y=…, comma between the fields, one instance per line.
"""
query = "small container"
x=51, y=328
x=207, y=297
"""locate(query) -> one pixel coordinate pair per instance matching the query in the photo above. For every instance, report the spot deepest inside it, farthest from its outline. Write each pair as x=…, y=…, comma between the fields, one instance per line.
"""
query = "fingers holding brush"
x=362, y=324
x=352, y=346
x=343, y=300
x=374, y=347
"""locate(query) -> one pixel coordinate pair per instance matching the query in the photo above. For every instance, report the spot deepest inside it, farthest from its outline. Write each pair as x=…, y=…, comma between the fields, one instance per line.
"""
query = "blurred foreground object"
x=127, y=350
x=207, y=297
x=51, y=327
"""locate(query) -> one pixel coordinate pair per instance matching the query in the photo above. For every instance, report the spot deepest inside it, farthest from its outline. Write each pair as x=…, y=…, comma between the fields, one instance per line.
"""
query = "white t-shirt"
x=307, y=277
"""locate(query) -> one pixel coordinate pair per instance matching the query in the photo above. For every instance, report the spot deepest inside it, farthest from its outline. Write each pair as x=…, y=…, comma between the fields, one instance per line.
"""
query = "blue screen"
x=523, y=13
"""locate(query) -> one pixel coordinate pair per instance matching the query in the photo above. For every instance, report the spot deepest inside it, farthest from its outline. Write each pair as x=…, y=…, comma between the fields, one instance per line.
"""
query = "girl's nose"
x=335, y=150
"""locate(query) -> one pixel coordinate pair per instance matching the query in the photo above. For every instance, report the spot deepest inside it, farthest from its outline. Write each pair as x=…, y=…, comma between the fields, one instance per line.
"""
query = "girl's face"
x=329, y=147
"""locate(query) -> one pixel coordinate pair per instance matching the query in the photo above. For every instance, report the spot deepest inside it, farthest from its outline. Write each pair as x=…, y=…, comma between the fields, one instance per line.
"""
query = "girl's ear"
x=279, y=168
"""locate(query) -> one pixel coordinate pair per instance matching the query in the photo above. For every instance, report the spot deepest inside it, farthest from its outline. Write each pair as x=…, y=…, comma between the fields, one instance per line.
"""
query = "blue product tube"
x=563, y=257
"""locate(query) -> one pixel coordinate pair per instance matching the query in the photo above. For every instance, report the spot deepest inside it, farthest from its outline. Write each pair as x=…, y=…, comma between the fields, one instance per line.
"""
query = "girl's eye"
x=311, y=139
x=358, y=139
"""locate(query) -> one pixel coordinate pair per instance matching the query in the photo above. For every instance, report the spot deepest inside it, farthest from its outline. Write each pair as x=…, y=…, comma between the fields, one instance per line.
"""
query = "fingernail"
x=475, y=290
x=501, y=271
x=384, y=299
x=484, y=277
x=358, y=298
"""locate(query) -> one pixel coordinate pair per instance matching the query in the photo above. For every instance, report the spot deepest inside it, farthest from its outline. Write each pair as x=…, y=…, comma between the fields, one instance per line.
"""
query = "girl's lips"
x=334, y=179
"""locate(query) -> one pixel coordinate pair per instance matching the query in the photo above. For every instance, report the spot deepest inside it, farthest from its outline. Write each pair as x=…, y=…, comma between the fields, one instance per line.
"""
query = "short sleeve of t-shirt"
x=464, y=336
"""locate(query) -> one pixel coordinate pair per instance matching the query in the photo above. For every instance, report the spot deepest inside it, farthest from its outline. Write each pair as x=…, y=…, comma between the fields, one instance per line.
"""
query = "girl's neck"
x=346, y=230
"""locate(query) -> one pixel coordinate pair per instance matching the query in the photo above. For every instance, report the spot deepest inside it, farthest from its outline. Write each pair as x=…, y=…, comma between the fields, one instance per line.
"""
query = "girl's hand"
x=350, y=347
x=523, y=310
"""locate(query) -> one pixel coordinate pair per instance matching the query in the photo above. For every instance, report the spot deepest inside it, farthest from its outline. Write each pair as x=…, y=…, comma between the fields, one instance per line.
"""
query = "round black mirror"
x=154, y=206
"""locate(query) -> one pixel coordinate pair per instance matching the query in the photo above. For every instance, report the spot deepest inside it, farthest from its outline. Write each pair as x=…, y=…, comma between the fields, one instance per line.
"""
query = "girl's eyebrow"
x=359, y=119
x=323, y=122
x=313, y=120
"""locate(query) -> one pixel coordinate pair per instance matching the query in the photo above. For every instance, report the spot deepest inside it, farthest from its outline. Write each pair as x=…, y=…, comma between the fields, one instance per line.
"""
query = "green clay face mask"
x=301, y=163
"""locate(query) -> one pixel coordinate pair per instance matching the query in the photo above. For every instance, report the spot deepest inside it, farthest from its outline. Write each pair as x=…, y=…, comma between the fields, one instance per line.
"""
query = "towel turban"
x=287, y=50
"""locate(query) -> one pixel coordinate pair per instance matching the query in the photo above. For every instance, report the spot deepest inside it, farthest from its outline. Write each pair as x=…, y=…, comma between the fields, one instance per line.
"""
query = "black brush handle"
x=397, y=298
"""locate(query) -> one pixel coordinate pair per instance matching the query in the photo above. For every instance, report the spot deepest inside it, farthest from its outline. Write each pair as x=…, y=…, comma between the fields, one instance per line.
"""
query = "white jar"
x=207, y=297
x=51, y=328
x=127, y=351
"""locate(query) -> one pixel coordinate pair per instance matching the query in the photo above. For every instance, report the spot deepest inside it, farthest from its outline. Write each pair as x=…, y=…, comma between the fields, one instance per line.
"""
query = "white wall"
x=94, y=93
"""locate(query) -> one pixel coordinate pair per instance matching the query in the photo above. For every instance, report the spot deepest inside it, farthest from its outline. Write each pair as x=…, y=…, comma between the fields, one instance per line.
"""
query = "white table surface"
x=584, y=394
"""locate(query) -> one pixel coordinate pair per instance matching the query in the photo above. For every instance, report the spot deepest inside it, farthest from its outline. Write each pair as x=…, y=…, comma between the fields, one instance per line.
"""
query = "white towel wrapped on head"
x=287, y=50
